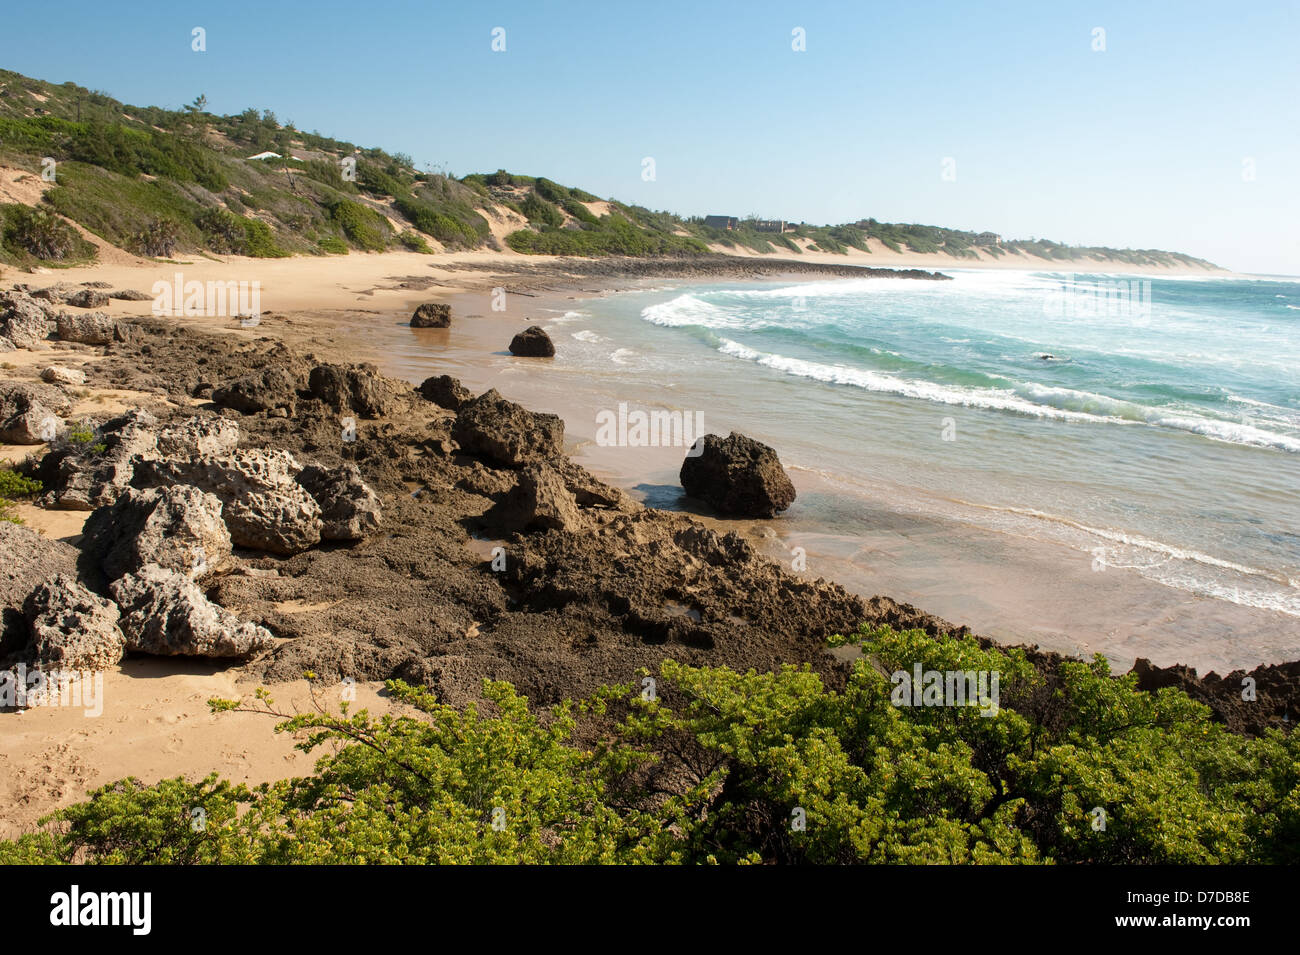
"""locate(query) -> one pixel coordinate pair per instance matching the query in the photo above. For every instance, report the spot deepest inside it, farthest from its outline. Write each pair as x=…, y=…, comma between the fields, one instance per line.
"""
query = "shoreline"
x=159, y=726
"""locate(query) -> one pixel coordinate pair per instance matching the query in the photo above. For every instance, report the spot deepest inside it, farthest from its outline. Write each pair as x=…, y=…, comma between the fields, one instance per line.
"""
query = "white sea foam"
x=622, y=356
x=1029, y=398
x=590, y=337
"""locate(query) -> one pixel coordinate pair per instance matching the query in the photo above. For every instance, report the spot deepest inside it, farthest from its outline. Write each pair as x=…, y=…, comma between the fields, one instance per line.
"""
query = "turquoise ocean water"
x=1152, y=424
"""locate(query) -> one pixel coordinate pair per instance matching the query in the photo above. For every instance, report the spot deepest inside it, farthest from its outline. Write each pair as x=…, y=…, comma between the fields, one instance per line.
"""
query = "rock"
x=165, y=613
x=87, y=479
x=31, y=413
x=432, y=315
x=349, y=508
x=199, y=436
x=538, y=501
x=22, y=320
x=283, y=521
x=358, y=389
x=57, y=293
x=506, y=433
x=29, y=559
x=130, y=295
x=179, y=528
x=87, y=298
x=532, y=342
x=445, y=392
x=264, y=507
x=227, y=476
x=60, y=375
x=263, y=390
x=737, y=475
x=97, y=328
x=72, y=628
x=6, y=345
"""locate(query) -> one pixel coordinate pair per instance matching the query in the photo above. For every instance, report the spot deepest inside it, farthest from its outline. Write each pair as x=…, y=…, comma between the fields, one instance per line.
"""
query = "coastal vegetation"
x=160, y=182
x=715, y=766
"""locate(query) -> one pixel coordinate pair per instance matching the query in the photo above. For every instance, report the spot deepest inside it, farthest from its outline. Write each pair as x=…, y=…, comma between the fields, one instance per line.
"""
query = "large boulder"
x=198, y=436
x=72, y=628
x=28, y=559
x=89, y=477
x=507, y=434
x=350, y=510
x=23, y=320
x=737, y=475
x=165, y=613
x=539, y=501
x=63, y=375
x=226, y=475
x=432, y=315
x=269, y=389
x=31, y=413
x=445, y=392
x=264, y=507
x=358, y=389
x=179, y=528
x=532, y=342
x=87, y=298
x=96, y=328
x=285, y=520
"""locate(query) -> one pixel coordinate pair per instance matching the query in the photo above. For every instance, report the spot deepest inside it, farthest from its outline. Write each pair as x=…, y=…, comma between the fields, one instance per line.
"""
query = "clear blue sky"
x=1141, y=145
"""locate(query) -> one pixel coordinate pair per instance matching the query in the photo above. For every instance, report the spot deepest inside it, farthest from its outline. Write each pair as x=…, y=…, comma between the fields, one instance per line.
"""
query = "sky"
x=1177, y=127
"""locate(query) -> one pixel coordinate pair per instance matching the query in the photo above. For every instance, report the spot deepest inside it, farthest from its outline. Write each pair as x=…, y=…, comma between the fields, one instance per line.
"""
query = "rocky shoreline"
x=291, y=514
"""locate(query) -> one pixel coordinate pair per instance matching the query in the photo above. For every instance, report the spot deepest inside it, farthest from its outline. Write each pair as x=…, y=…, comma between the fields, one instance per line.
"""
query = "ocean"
x=1092, y=462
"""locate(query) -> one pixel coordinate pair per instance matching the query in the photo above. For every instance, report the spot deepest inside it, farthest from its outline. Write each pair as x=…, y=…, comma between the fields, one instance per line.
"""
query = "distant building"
x=728, y=223
x=988, y=238
x=771, y=225
x=265, y=155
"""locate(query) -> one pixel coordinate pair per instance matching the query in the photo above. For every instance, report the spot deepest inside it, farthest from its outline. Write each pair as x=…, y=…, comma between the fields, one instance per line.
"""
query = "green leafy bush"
x=732, y=767
x=363, y=227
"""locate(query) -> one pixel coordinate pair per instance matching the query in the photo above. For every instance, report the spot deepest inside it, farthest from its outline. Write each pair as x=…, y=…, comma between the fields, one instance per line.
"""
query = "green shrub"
x=414, y=243
x=39, y=232
x=158, y=239
x=12, y=487
x=717, y=768
x=333, y=245
x=260, y=241
x=363, y=227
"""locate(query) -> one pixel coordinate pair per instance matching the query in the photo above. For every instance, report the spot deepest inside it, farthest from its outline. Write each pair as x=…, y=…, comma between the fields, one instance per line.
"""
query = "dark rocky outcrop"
x=432, y=315
x=532, y=342
x=358, y=389
x=269, y=389
x=506, y=433
x=87, y=298
x=445, y=392
x=349, y=509
x=538, y=501
x=738, y=476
